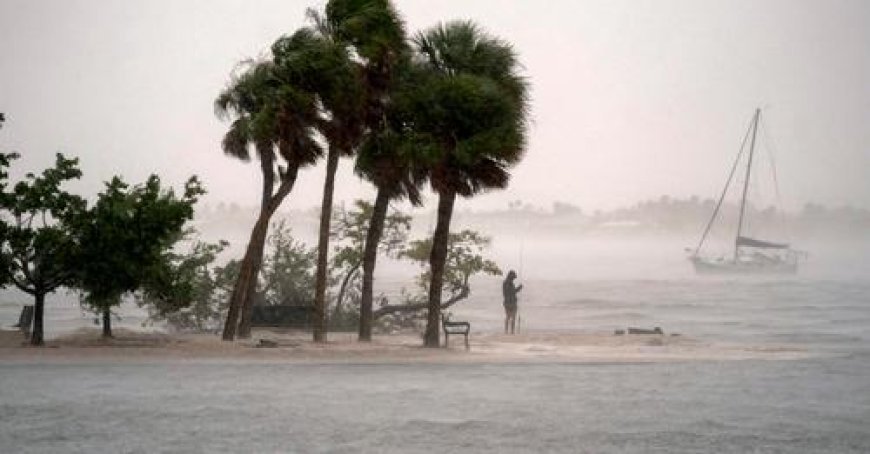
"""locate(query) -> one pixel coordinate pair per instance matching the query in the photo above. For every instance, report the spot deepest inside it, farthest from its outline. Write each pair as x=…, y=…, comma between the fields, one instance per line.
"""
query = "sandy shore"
x=86, y=345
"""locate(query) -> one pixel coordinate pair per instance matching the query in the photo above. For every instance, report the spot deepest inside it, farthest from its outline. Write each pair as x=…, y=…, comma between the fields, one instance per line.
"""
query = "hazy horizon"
x=630, y=100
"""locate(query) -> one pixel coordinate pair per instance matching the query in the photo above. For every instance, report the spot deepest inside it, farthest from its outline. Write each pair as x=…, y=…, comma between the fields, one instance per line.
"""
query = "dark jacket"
x=510, y=292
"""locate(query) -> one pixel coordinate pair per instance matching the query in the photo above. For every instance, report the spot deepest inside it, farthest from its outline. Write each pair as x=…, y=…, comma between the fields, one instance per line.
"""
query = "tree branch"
x=58, y=281
x=21, y=286
x=23, y=268
x=347, y=278
x=404, y=308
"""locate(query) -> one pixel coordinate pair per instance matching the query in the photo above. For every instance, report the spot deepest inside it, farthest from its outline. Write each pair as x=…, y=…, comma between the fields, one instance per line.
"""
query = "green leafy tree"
x=471, y=106
x=5, y=161
x=190, y=294
x=350, y=233
x=39, y=249
x=287, y=278
x=288, y=271
x=125, y=243
x=465, y=259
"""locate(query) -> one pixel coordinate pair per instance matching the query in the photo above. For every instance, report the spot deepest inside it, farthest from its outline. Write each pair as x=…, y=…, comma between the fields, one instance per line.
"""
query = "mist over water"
x=598, y=281
x=612, y=282
x=577, y=282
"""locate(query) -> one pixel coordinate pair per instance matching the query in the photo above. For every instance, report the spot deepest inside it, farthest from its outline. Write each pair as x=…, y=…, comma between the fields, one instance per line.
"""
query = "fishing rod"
x=522, y=255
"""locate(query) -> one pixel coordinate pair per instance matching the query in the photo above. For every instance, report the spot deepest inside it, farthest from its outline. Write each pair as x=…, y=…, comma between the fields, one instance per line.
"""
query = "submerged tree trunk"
x=323, y=247
x=240, y=291
x=370, y=255
x=436, y=266
x=36, y=336
x=107, y=323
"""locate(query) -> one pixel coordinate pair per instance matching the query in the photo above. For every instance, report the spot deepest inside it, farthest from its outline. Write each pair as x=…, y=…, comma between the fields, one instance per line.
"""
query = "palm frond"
x=474, y=101
x=236, y=140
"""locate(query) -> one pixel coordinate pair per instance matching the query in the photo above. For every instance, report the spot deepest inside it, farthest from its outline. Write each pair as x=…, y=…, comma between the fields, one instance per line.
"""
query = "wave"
x=816, y=337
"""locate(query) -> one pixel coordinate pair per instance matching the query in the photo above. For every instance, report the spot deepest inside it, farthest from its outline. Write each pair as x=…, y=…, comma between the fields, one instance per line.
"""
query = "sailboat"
x=750, y=255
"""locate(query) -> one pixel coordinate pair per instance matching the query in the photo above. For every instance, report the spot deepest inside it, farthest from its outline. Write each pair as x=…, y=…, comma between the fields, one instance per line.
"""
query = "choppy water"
x=821, y=404
x=808, y=406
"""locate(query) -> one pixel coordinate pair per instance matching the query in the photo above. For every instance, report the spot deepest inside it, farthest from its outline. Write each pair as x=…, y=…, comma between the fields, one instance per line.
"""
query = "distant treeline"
x=689, y=215
x=664, y=214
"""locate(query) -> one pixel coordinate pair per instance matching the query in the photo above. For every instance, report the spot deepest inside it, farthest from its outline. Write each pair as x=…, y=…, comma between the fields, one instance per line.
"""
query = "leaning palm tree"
x=270, y=113
x=323, y=64
x=390, y=161
x=376, y=34
x=244, y=99
x=358, y=43
x=472, y=105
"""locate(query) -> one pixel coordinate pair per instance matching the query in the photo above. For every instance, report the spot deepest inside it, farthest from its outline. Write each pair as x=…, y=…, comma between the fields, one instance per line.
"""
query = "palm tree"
x=324, y=66
x=360, y=39
x=271, y=113
x=377, y=35
x=389, y=160
x=245, y=99
x=472, y=104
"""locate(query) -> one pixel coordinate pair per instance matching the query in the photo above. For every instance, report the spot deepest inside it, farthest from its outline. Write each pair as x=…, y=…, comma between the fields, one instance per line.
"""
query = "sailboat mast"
x=725, y=189
x=746, y=183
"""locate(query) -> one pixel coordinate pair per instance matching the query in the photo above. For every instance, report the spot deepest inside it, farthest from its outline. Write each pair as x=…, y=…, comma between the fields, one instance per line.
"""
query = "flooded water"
x=819, y=404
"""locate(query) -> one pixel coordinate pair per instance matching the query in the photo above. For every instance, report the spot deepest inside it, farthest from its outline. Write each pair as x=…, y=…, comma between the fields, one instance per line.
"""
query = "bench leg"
x=467, y=347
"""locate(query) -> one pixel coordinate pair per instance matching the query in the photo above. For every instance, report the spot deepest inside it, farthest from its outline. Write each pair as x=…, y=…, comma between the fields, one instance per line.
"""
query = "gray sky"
x=631, y=99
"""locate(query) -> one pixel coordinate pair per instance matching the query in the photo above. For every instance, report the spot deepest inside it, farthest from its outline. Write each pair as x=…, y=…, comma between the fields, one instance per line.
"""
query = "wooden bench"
x=455, y=328
x=282, y=316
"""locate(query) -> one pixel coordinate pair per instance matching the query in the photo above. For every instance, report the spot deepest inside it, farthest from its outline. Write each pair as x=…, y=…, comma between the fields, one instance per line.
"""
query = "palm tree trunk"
x=323, y=247
x=370, y=255
x=36, y=336
x=237, y=300
x=231, y=322
x=436, y=265
x=267, y=168
x=258, y=242
x=107, y=323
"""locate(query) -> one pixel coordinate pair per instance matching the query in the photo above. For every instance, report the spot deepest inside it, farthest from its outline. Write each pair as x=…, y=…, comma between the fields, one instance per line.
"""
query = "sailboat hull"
x=731, y=267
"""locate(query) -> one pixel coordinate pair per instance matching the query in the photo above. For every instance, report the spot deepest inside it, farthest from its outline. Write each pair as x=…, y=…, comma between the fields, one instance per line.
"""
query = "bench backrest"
x=282, y=316
x=26, y=317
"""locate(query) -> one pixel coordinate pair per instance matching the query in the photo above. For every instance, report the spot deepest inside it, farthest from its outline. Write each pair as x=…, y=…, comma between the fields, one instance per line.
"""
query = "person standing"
x=509, y=290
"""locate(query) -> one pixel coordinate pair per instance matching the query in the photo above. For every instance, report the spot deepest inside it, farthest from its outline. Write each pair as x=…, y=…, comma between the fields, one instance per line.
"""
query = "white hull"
x=731, y=267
